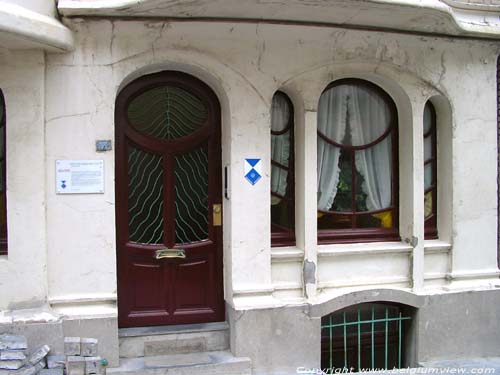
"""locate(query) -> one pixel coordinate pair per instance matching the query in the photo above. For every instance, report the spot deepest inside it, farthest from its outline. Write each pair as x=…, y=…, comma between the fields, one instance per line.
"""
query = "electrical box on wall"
x=103, y=145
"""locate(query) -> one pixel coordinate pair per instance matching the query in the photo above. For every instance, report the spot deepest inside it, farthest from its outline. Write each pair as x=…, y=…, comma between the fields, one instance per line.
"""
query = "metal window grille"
x=362, y=337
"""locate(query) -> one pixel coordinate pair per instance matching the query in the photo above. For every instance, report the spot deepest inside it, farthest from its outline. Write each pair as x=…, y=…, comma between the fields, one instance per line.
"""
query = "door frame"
x=124, y=97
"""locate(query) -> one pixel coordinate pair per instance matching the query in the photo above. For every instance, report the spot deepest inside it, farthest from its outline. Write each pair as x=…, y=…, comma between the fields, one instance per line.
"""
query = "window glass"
x=430, y=171
x=282, y=181
x=3, y=180
x=357, y=149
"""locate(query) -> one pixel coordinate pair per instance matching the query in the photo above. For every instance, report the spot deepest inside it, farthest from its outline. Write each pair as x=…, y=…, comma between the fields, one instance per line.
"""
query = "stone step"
x=205, y=363
x=169, y=340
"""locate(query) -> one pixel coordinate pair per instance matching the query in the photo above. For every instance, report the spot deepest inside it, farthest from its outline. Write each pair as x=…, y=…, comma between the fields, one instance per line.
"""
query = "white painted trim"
x=252, y=292
x=287, y=254
x=34, y=27
x=482, y=274
x=82, y=299
x=436, y=246
x=436, y=276
x=375, y=282
x=287, y=286
x=364, y=249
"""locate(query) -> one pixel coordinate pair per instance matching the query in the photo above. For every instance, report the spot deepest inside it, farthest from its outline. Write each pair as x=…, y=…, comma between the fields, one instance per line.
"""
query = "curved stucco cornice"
x=425, y=16
x=23, y=28
x=365, y=296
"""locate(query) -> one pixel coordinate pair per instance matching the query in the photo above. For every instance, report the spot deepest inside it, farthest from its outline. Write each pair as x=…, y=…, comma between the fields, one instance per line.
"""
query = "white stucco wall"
x=59, y=106
x=23, y=272
x=245, y=64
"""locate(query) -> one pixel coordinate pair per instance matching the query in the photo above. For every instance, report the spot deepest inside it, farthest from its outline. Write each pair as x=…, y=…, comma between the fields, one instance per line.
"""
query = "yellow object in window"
x=428, y=204
x=385, y=219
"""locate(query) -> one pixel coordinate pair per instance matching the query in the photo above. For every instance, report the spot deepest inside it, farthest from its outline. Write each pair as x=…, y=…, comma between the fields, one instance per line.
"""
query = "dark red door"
x=168, y=202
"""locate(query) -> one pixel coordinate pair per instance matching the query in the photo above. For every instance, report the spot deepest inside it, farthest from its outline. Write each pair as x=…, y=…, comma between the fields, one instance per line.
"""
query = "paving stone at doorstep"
x=8, y=342
x=52, y=371
x=72, y=346
x=93, y=366
x=39, y=354
x=11, y=364
x=56, y=361
x=88, y=347
x=12, y=354
x=75, y=365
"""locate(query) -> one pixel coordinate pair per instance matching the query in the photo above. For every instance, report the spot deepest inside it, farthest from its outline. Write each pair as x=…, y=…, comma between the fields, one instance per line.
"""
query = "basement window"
x=369, y=336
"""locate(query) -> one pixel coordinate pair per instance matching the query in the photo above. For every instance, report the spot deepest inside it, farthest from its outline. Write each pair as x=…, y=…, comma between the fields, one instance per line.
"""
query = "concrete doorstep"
x=204, y=363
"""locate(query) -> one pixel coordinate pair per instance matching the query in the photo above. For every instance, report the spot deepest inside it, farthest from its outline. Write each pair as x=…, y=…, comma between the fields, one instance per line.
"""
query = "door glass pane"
x=167, y=112
x=191, y=196
x=145, y=196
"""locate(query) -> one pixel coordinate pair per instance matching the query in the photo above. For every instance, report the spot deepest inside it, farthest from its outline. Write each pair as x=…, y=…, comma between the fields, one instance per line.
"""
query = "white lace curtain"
x=368, y=117
x=280, y=144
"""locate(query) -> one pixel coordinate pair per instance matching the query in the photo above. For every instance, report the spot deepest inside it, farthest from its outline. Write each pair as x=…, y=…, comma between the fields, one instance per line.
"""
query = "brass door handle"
x=170, y=253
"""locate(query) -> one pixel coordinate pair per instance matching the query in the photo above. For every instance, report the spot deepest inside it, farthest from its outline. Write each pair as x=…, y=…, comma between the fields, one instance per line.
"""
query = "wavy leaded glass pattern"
x=191, y=196
x=145, y=196
x=167, y=112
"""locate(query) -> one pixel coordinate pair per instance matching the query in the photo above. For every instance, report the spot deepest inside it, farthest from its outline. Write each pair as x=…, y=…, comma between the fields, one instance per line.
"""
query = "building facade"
x=411, y=85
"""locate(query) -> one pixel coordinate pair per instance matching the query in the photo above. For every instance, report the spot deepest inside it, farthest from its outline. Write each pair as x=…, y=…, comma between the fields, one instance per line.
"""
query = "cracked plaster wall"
x=245, y=64
x=23, y=273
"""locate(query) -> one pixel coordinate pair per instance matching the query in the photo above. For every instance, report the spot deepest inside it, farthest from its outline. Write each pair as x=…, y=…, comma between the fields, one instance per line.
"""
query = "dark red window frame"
x=430, y=223
x=356, y=234
x=280, y=235
x=3, y=184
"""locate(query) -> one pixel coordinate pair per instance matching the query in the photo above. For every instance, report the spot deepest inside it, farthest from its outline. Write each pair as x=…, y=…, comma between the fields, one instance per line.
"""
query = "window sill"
x=436, y=246
x=369, y=248
x=287, y=254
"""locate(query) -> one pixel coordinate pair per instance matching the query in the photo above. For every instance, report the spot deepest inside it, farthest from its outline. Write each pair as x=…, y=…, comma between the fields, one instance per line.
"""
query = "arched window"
x=3, y=179
x=357, y=164
x=282, y=167
x=366, y=336
x=430, y=171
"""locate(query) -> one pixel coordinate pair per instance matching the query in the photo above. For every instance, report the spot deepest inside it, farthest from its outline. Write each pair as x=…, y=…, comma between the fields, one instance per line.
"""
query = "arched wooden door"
x=168, y=202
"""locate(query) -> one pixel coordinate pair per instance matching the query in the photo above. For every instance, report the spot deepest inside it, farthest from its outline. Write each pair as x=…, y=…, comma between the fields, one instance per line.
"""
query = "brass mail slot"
x=170, y=253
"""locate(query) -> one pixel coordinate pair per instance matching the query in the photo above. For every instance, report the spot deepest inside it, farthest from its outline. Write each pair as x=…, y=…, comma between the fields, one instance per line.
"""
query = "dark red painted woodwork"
x=170, y=290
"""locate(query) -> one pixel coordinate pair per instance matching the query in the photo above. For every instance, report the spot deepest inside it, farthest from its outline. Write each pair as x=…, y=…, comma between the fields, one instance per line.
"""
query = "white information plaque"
x=80, y=176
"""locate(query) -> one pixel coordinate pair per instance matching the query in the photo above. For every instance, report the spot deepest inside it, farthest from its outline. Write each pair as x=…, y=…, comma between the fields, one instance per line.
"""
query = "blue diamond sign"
x=253, y=170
